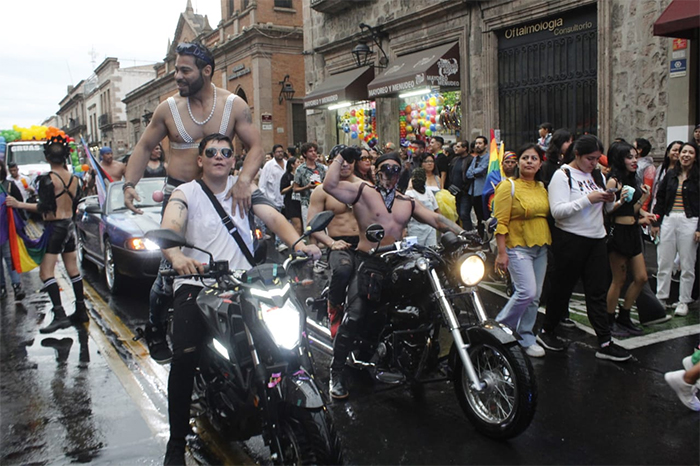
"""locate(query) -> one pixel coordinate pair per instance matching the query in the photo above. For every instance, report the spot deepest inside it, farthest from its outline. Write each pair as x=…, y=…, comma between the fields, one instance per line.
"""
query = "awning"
x=679, y=19
x=436, y=67
x=349, y=86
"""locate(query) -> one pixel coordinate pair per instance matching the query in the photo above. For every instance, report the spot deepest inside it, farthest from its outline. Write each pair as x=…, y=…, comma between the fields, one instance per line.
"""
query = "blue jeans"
x=7, y=259
x=527, y=267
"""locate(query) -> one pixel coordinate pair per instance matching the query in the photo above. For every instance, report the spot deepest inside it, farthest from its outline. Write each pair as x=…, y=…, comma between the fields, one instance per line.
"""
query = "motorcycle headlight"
x=472, y=269
x=283, y=323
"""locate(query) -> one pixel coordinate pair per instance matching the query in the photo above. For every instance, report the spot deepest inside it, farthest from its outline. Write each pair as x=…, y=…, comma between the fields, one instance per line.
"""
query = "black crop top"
x=627, y=208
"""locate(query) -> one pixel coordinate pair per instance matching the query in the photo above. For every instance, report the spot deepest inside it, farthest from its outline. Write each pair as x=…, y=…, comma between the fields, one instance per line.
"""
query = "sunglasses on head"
x=390, y=170
x=211, y=152
x=194, y=49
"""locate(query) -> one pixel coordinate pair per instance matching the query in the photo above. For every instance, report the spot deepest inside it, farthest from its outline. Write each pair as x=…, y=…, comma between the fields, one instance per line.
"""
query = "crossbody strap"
x=228, y=223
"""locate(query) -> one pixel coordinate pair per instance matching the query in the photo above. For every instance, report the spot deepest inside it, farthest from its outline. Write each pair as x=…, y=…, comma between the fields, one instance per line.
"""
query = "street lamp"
x=362, y=51
x=146, y=117
x=287, y=90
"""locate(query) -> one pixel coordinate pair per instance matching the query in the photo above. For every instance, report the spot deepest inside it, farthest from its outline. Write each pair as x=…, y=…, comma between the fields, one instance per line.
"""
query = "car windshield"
x=26, y=154
x=145, y=189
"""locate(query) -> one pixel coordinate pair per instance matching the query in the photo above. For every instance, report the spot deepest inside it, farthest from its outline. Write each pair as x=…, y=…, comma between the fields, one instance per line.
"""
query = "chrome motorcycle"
x=431, y=289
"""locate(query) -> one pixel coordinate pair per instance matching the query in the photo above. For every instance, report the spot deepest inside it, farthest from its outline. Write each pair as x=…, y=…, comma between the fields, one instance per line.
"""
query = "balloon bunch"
x=420, y=118
x=34, y=132
x=360, y=123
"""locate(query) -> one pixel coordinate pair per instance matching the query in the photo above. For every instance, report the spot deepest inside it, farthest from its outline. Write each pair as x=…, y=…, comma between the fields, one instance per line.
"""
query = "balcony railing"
x=104, y=120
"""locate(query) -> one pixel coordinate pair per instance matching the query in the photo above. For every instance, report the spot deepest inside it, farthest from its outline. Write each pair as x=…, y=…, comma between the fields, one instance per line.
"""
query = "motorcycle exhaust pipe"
x=322, y=331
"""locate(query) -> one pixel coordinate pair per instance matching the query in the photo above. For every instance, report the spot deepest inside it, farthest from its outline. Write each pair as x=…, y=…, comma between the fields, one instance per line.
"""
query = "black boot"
x=341, y=349
x=158, y=344
x=59, y=321
x=615, y=329
x=175, y=452
x=61, y=346
x=19, y=292
x=624, y=321
x=80, y=316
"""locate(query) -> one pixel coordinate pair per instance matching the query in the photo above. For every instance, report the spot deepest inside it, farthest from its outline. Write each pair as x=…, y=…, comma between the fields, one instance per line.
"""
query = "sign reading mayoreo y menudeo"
x=571, y=22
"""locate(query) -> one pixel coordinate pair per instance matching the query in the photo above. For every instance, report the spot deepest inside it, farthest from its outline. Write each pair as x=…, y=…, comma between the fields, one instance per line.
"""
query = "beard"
x=193, y=87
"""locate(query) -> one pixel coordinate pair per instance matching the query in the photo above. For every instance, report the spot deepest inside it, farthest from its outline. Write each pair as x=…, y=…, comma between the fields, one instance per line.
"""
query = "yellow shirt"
x=523, y=216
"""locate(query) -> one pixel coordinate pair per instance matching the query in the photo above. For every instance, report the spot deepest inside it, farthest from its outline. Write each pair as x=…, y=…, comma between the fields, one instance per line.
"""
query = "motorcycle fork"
x=456, y=330
x=267, y=404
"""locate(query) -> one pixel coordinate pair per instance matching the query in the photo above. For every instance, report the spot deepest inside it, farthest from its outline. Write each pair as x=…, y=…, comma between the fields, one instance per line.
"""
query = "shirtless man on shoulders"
x=342, y=238
x=199, y=109
x=380, y=204
x=112, y=167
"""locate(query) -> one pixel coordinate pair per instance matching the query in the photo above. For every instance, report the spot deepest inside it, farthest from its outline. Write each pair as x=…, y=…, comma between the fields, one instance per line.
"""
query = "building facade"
x=459, y=69
x=257, y=48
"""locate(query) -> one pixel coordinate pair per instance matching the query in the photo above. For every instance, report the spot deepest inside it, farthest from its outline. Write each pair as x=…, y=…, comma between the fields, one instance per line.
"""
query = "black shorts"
x=625, y=240
x=62, y=237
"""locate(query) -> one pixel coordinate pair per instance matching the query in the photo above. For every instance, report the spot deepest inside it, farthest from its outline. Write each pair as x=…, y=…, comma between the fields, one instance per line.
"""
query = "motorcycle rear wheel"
x=506, y=406
x=308, y=437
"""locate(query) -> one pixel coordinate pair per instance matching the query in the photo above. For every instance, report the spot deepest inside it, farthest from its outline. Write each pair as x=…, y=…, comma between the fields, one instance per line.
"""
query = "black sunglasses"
x=390, y=170
x=194, y=49
x=211, y=152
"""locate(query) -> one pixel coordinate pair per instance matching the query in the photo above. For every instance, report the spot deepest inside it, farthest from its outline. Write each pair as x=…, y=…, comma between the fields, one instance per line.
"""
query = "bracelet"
x=331, y=246
x=127, y=185
x=339, y=160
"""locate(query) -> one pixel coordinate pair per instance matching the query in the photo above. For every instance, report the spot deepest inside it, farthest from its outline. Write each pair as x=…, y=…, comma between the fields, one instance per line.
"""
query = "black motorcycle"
x=256, y=375
x=432, y=288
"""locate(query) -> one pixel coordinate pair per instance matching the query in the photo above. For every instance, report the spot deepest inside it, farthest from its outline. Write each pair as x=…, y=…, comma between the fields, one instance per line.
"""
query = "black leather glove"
x=351, y=154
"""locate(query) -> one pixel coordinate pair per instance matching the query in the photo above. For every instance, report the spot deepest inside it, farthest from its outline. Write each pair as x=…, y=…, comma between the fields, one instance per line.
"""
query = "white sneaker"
x=685, y=392
x=534, y=351
x=681, y=310
x=687, y=365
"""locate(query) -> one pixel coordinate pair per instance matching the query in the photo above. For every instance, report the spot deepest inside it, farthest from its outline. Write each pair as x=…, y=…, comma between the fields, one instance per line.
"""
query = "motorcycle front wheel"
x=308, y=437
x=506, y=405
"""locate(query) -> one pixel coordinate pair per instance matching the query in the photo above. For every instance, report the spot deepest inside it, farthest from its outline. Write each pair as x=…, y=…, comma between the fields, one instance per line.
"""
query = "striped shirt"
x=678, y=200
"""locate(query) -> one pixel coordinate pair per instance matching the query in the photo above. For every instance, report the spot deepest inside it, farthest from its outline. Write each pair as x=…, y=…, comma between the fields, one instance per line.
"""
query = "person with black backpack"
x=577, y=194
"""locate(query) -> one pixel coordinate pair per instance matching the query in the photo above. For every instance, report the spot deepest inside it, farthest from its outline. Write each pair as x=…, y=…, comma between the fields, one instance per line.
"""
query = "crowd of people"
x=566, y=209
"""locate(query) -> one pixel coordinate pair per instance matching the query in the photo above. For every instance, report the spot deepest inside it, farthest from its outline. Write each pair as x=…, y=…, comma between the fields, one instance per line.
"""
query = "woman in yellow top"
x=521, y=207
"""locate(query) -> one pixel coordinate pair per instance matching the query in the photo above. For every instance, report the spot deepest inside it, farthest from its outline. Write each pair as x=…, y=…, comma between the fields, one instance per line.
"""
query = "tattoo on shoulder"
x=246, y=115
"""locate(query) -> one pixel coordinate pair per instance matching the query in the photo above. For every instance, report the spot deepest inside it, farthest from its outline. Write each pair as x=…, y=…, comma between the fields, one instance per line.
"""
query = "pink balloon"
x=423, y=130
x=157, y=196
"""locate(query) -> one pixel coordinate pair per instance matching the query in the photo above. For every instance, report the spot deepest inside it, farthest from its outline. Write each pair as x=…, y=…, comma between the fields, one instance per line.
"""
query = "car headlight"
x=283, y=324
x=472, y=269
x=142, y=244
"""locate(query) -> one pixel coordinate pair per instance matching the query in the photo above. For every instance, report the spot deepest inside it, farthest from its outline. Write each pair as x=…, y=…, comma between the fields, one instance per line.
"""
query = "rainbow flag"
x=495, y=155
x=27, y=241
x=100, y=173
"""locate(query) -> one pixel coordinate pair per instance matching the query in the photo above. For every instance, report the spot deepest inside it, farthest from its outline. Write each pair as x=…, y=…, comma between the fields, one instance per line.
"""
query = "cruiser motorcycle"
x=256, y=375
x=432, y=289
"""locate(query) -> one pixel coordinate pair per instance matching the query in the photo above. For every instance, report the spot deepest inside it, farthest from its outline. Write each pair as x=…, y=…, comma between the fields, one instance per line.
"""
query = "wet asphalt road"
x=590, y=411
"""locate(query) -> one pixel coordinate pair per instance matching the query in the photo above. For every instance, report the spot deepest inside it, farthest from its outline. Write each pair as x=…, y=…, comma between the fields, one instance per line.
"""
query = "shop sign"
x=678, y=68
x=325, y=100
x=266, y=117
x=446, y=68
x=267, y=126
x=572, y=22
x=680, y=44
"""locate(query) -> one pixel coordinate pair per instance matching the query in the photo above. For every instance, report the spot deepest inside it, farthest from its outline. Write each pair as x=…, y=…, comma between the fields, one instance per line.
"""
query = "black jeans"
x=369, y=288
x=188, y=332
x=342, y=264
x=579, y=257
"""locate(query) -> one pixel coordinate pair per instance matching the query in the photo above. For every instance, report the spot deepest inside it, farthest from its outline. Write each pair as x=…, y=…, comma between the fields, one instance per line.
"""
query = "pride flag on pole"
x=494, y=174
x=495, y=155
x=100, y=173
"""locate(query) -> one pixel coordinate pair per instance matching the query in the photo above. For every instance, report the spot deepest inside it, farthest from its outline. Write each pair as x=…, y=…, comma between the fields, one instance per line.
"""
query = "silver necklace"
x=211, y=114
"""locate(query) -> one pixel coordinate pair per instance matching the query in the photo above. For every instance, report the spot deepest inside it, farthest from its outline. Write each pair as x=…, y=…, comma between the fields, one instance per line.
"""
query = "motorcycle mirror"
x=375, y=233
x=319, y=222
x=166, y=238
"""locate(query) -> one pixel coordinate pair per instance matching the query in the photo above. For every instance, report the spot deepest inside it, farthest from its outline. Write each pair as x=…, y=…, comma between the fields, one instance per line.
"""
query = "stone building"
x=94, y=107
x=459, y=69
x=257, y=48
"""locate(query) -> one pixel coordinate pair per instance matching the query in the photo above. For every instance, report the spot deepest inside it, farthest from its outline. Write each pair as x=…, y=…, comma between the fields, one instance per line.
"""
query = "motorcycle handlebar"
x=383, y=249
x=173, y=272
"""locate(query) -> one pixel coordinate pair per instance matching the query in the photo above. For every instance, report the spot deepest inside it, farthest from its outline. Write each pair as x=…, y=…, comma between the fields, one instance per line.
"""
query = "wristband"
x=331, y=246
x=127, y=185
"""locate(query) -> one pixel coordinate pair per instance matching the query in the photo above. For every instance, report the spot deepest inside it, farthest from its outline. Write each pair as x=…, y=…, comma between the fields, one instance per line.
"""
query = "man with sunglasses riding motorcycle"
x=200, y=108
x=192, y=213
x=380, y=204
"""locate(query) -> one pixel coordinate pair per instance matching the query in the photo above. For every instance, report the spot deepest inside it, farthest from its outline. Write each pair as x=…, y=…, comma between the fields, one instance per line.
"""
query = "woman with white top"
x=678, y=210
x=577, y=195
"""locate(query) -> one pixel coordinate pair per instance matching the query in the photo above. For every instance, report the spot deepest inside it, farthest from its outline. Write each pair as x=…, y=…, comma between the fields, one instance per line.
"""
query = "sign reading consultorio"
x=569, y=23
